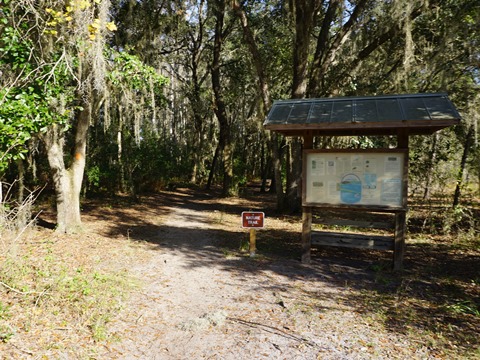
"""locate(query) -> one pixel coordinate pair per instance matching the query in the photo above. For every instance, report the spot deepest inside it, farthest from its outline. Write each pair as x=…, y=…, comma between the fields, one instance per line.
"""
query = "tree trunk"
x=256, y=57
x=322, y=45
x=277, y=168
x=289, y=166
x=193, y=177
x=68, y=181
x=463, y=163
x=212, y=167
x=121, y=165
x=431, y=163
x=225, y=143
x=197, y=106
x=22, y=219
x=21, y=181
x=328, y=46
x=305, y=14
x=294, y=175
x=198, y=149
x=266, y=165
x=228, y=185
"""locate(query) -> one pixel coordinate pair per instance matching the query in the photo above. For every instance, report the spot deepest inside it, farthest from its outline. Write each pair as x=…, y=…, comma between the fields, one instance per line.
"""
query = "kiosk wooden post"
x=307, y=214
x=399, y=244
x=306, y=234
x=401, y=216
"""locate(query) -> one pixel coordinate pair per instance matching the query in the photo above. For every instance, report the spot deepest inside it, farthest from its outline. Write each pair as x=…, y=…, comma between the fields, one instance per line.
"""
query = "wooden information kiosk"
x=373, y=180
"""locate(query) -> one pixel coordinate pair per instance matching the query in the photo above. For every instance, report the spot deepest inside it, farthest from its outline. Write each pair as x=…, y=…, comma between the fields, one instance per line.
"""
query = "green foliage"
x=458, y=223
x=29, y=93
x=23, y=113
x=439, y=157
x=93, y=176
x=14, y=50
x=464, y=307
x=461, y=221
x=6, y=332
x=142, y=158
x=158, y=161
x=128, y=71
x=239, y=172
x=147, y=166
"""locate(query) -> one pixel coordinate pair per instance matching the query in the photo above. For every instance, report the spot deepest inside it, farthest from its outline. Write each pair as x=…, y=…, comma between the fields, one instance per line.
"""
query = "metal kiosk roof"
x=415, y=114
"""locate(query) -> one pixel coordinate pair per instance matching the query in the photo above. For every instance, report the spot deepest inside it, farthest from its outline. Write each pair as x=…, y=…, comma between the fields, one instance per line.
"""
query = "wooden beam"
x=358, y=223
x=350, y=240
x=399, y=245
x=306, y=210
x=253, y=242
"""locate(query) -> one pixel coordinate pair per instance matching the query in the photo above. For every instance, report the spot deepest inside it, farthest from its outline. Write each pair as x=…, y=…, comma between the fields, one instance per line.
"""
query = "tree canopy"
x=130, y=96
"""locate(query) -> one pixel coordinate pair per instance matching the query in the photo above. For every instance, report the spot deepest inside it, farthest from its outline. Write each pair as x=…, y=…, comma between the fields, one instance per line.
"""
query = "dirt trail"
x=193, y=306
x=201, y=302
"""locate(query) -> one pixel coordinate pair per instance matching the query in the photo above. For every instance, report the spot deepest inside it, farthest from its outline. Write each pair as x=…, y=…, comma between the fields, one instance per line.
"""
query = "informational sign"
x=354, y=177
x=252, y=219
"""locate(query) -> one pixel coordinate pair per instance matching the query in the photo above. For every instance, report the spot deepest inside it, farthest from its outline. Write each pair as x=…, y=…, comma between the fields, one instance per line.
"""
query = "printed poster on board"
x=354, y=178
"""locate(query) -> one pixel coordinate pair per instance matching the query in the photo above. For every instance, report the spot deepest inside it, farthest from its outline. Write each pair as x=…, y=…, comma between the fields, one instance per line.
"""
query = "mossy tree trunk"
x=225, y=138
x=67, y=179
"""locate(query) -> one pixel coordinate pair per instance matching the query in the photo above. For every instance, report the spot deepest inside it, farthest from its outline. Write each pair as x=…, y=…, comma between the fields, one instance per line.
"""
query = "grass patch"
x=429, y=303
x=50, y=304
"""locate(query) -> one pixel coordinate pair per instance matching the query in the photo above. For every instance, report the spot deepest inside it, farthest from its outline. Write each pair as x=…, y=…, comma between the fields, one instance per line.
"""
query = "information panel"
x=354, y=177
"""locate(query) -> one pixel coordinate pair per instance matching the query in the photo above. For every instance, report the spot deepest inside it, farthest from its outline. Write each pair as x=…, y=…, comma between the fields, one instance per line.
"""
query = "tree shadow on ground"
x=437, y=292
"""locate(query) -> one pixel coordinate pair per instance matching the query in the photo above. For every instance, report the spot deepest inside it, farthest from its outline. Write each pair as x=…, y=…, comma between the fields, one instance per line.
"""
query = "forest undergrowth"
x=53, y=288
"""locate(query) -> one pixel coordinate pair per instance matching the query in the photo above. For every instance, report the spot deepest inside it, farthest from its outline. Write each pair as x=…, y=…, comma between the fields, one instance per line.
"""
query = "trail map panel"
x=354, y=177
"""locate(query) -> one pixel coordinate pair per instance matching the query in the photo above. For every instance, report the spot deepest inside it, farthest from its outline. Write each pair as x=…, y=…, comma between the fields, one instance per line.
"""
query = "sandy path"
x=192, y=307
x=198, y=303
